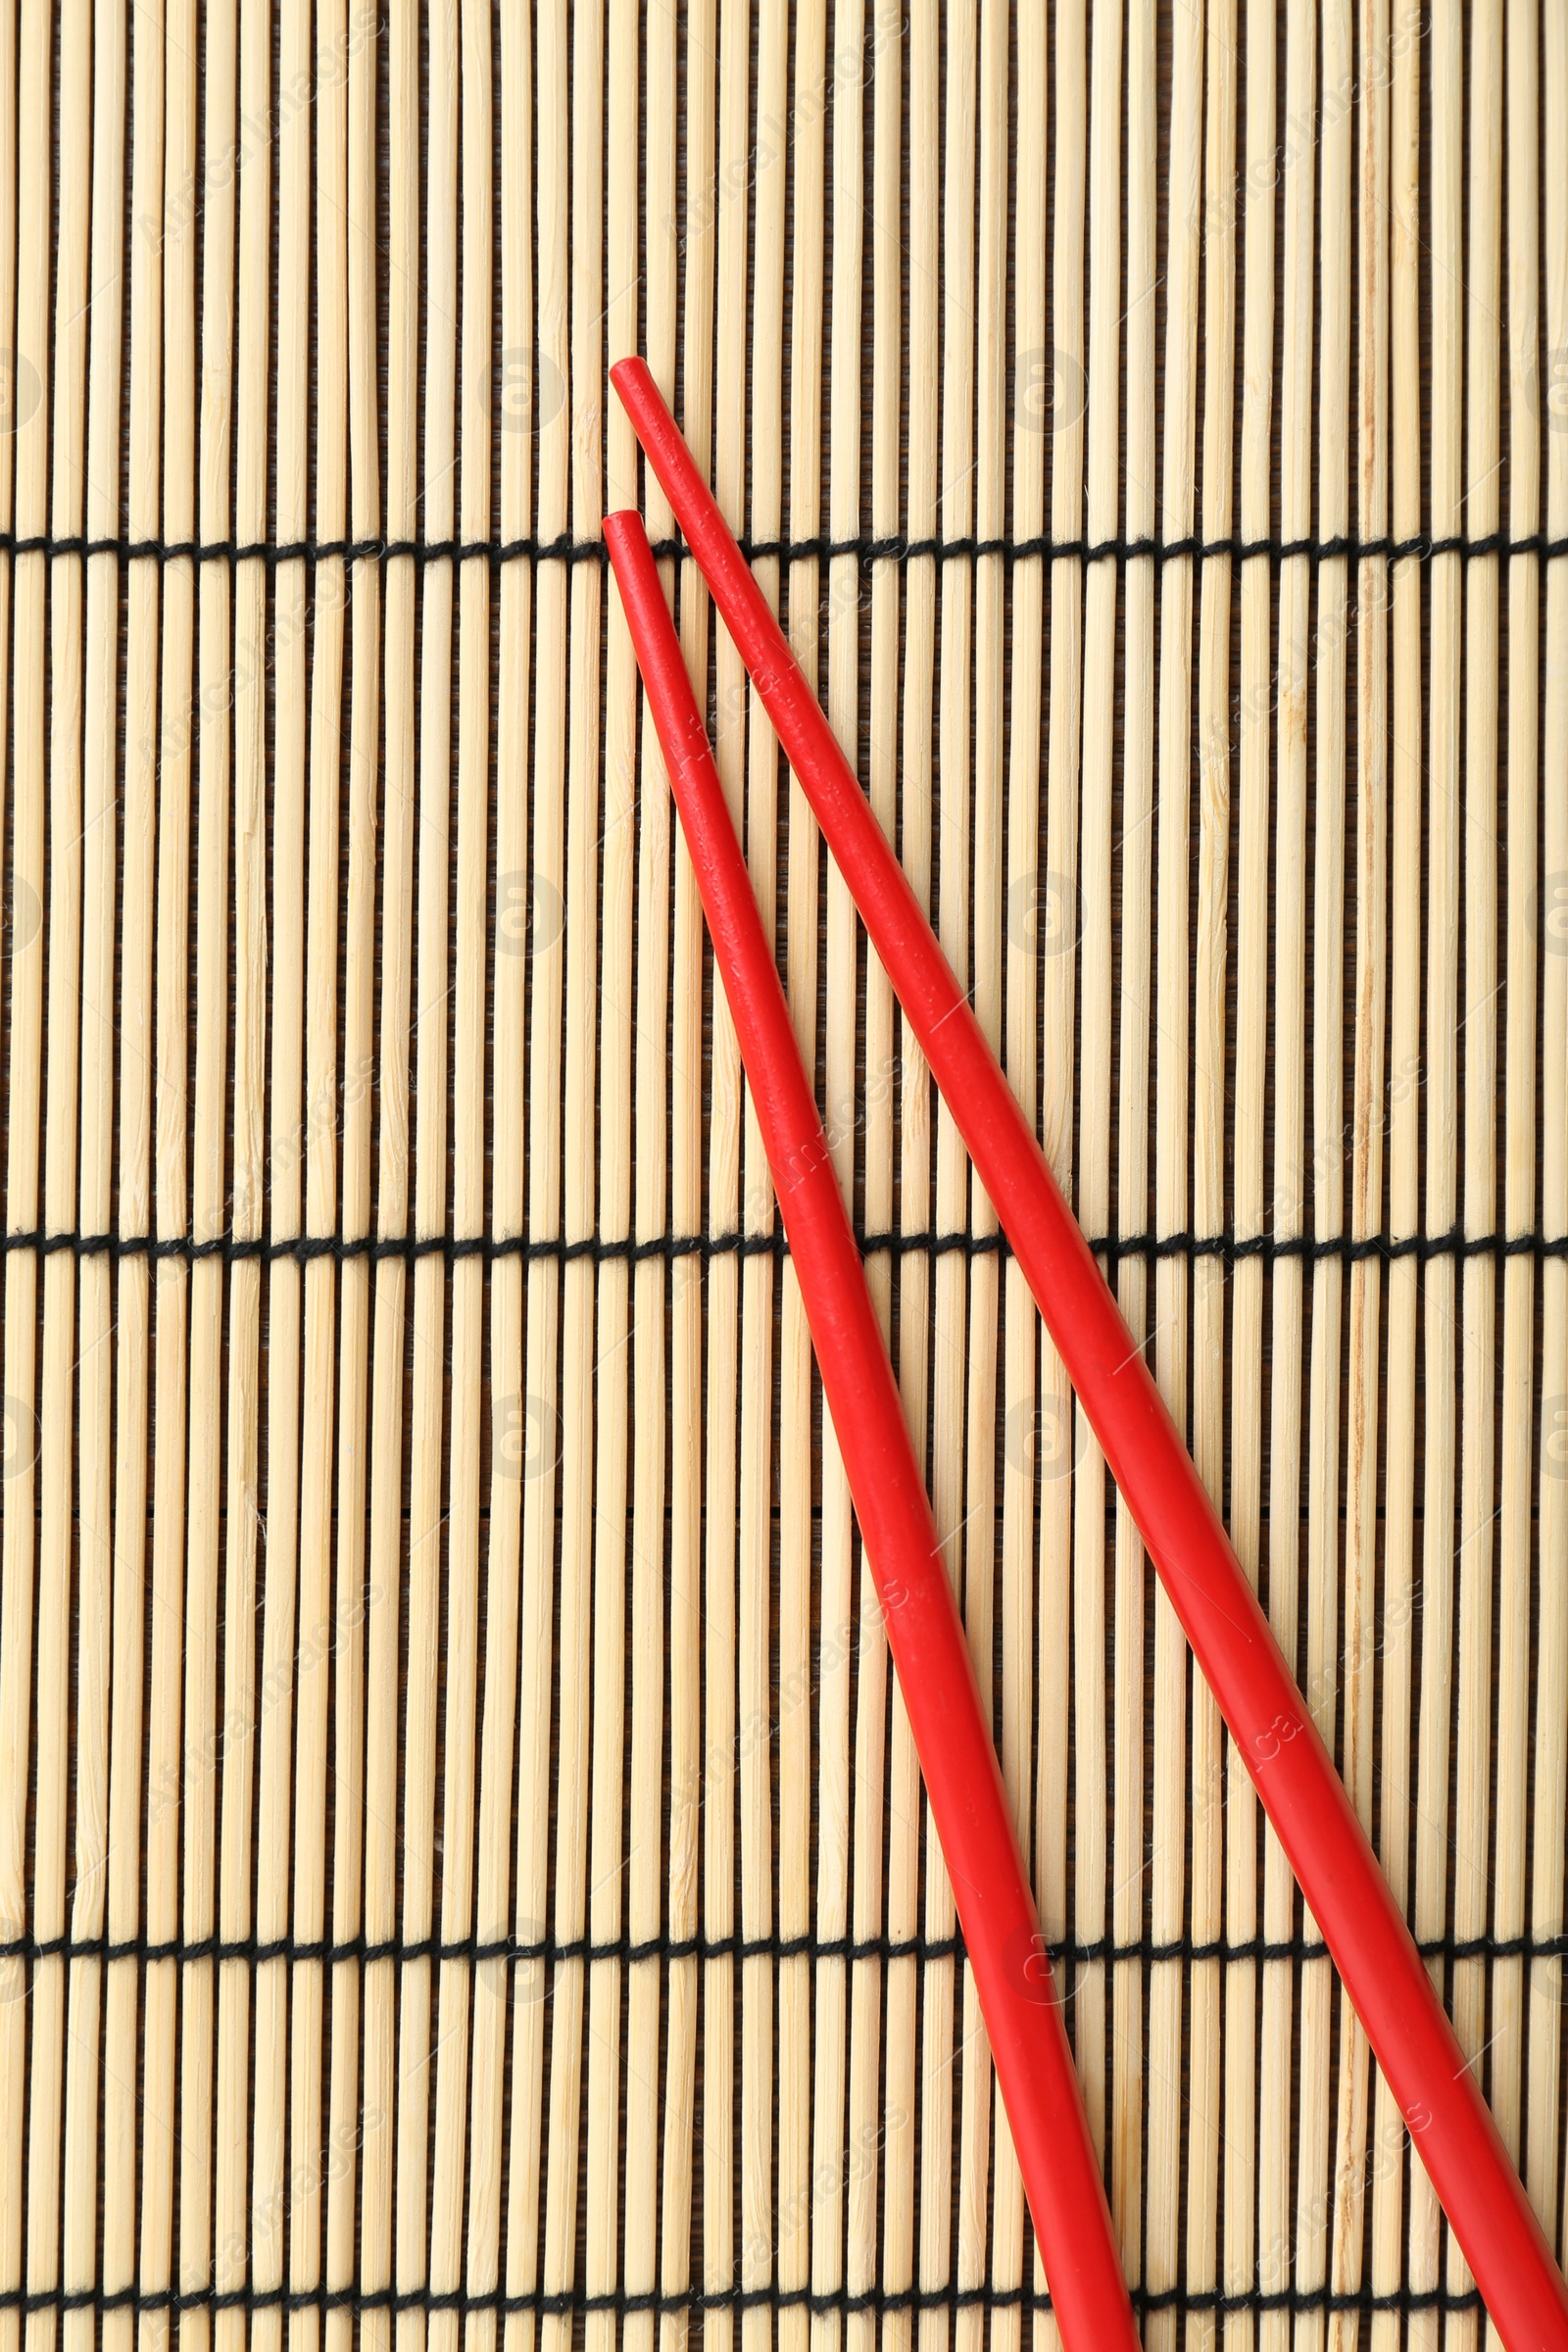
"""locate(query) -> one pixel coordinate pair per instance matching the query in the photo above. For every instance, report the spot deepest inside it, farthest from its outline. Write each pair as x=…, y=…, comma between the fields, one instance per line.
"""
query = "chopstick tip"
x=627, y=374
x=623, y=526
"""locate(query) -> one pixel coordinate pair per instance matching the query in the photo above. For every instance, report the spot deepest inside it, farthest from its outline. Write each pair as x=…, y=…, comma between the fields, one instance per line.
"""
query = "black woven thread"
x=570, y=2301
x=255, y=1951
x=266, y=1249
x=864, y=547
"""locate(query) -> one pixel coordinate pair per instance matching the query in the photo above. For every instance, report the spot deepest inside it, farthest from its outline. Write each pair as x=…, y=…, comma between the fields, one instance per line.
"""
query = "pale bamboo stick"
x=1445, y=519
x=806, y=2205
x=436, y=515
x=806, y=212
x=1207, y=1774
x=1129, y=2090
x=466, y=1278
x=649, y=1063
x=510, y=969
x=610, y=1852
x=1478, y=815
x=868, y=1796
x=297, y=1109
x=8, y=321
x=570, y=1891
x=1092, y=1194
x=1521, y=834
x=900, y=2125
x=101, y=510
x=1167, y=1868
x=327, y=1101
x=835, y=1597
x=1025, y=621
x=687, y=1774
x=356, y=61
x=321, y=2212
x=295, y=1118
x=941, y=2056
x=1552, y=1637
x=134, y=1019
x=62, y=924
x=176, y=216
x=12, y=1964
x=1405, y=1102
x=1328, y=1673
x=235, y=59
x=1368, y=1113
x=24, y=290
x=763, y=462
x=869, y=2135
x=971, y=629
x=379, y=2249
x=1282, y=2249
x=721, y=1318
x=1250, y=1215
x=34, y=197
x=1505, y=1988
x=220, y=2244
x=865, y=1795
x=1052, y=919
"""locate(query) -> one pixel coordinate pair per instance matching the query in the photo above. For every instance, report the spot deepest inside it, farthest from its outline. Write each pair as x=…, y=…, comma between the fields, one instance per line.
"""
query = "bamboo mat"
x=461, y=1859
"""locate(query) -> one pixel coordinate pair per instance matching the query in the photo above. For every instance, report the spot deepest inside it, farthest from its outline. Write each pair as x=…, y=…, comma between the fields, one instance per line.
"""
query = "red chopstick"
x=1000, y=1928
x=1439, y=2095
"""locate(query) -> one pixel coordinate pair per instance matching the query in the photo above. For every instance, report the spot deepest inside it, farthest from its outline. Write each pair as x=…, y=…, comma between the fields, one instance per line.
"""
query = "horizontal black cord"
x=615, y=1249
x=259, y=1951
x=622, y=2302
x=866, y=546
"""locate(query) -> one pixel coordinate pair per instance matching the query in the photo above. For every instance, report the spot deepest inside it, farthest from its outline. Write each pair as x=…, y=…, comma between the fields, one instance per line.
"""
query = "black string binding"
x=866, y=546
x=624, y=2302
x=267, y=1249
x=554, y=1951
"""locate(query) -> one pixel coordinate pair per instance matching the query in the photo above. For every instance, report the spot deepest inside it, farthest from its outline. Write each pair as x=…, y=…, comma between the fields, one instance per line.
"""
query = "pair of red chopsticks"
x=1451, y=2123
